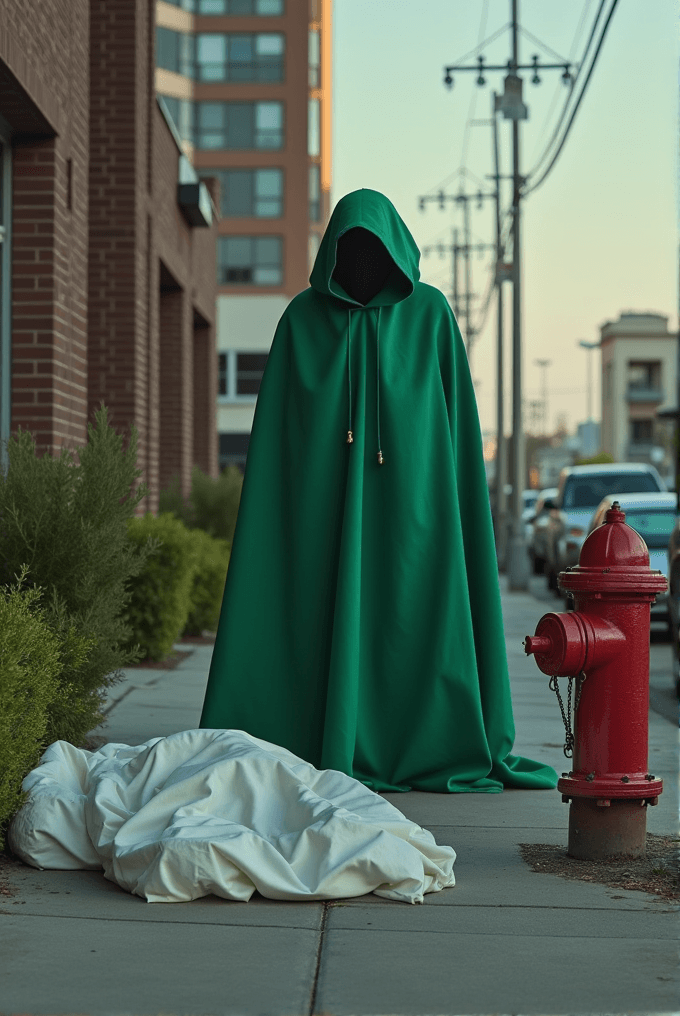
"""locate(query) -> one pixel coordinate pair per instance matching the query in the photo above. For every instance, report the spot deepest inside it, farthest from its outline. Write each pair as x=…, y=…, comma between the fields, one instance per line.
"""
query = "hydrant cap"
x=614, y=558
x=614, y=544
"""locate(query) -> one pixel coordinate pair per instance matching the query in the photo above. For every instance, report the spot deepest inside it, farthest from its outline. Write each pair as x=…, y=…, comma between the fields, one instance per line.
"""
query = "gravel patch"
x=658, y=872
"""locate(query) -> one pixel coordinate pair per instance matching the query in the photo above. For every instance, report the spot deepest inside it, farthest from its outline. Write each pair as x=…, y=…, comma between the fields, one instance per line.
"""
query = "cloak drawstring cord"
x=381, y=459
x=350, y=435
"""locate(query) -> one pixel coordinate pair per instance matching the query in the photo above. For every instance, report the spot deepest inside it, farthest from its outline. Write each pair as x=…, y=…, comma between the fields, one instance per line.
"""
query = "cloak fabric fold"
x=361, y=624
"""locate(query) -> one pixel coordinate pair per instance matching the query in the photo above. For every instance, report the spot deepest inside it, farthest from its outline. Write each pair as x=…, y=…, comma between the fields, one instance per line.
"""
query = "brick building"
x=107, y=253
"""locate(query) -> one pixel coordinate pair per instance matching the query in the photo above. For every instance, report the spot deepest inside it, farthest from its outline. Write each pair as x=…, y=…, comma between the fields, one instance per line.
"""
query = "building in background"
x=639, y=372
x=107, y=242
x=248, y=83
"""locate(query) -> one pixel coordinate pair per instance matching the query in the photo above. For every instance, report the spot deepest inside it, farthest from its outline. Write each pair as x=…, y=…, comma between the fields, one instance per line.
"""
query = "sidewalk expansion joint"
x=319, y=953
x=143, y=920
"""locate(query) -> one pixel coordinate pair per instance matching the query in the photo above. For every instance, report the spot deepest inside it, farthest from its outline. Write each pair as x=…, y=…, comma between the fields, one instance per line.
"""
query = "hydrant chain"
x=568, y=748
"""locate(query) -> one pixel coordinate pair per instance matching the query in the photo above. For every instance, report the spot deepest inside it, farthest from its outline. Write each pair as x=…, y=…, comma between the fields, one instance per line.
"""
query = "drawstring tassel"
x=380, y=458
x=350, y=437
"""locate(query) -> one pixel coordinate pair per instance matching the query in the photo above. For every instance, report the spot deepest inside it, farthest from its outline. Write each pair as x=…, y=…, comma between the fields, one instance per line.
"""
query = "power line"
x=473, y=96
x=578, y=103
x=558, y=125
x=486, y=42
x=544, y=46
x=559, y=88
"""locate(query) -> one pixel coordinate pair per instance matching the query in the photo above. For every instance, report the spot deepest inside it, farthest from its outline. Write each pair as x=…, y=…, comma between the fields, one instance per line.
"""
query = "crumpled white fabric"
x=219, y=811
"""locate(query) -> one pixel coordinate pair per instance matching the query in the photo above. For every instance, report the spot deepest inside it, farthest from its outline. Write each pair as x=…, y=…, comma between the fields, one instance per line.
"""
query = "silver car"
x=579, y=492
x=537, y=539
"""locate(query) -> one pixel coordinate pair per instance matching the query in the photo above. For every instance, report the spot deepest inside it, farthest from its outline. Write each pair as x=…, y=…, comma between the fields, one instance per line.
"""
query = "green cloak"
x=361, y=624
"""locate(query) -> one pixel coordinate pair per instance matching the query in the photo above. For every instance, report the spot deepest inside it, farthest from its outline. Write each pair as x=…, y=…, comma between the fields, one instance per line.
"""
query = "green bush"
x=208, y=583
x=212, y=505
x=161, y=595
x=65, y=518
x=32, y=658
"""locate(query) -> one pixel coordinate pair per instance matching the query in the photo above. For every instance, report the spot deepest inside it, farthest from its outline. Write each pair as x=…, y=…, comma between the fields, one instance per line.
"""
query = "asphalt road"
x=662, y=697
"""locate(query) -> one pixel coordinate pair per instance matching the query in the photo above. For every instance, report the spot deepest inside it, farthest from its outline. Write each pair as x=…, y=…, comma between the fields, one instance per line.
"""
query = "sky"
x=599, y=235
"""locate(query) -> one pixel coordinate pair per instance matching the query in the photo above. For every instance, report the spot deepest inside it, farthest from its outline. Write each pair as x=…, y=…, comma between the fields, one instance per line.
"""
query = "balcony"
x=640, y=393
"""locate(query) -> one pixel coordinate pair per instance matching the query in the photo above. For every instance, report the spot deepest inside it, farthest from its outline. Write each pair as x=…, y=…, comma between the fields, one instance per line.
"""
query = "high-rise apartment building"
x=248, y=83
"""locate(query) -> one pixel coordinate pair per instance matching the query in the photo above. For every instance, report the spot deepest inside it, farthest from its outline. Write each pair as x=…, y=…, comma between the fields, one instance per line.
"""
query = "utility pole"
x=463, y=313
x=513, y=108
x=466, y=259
x=456, y=301
x=500, y=512
x=518, y=561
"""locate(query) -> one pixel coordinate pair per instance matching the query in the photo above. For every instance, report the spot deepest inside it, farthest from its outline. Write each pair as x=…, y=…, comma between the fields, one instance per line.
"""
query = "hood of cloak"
x=369, y=210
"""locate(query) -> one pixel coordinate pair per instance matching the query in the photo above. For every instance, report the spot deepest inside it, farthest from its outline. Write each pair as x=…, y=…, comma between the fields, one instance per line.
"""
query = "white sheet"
x=219, y=811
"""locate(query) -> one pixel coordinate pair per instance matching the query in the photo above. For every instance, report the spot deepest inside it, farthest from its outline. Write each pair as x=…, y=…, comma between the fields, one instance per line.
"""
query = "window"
x=239, y=125
x=314, y=193
x=641, y=431
x=240, y=374
x=314, y=60
x=233, y=449
x=313, y=244
x=249, y=192
x=180, y=110
x=313, y=128
x=174, y=51
x=238, y=58
x=644, y=374
x=586, y=491
x=654, y=525
x=186, y=5
x=261, y=8
x=249, y=261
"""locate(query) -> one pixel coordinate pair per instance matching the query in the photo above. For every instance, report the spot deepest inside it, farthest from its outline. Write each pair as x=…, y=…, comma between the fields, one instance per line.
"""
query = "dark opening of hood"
x=366, y=210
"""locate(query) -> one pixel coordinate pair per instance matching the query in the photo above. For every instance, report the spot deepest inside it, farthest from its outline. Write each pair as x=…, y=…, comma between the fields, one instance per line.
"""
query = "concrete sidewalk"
x=505, y=940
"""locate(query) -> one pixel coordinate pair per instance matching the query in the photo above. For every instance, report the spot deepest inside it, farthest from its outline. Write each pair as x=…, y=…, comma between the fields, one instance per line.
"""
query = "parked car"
x=579, y=492
x=674, y=600
x=654, y=517
x=536, y=540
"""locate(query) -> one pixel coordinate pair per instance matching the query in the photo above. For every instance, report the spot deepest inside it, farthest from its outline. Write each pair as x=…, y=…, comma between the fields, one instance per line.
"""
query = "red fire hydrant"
x=603, y=646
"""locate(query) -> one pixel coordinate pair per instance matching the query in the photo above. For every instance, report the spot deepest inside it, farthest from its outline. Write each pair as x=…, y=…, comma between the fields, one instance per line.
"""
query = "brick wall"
x=44, y=97
x=95, y=215
x=149, y=270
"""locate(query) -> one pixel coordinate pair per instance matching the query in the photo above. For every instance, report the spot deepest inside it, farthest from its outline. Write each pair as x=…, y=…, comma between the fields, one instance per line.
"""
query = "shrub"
x=215, y=502
x=160, y=599
x=212, y=505
x=208, y=583
x=32, y=658
x=170, y=500
x=65, y=518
